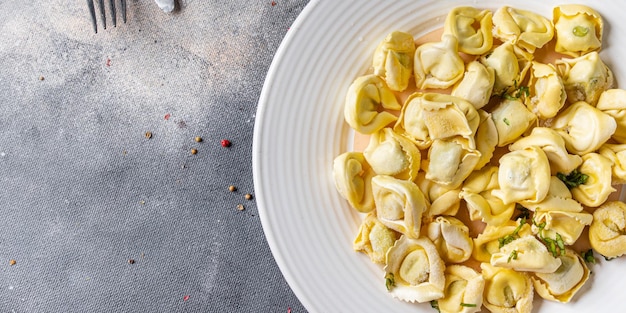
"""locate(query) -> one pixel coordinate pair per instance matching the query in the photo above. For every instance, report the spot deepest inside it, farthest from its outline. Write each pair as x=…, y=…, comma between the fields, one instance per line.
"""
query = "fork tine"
x=113, y=15
x=102, y=15
x=92, y=12
x=123, y=3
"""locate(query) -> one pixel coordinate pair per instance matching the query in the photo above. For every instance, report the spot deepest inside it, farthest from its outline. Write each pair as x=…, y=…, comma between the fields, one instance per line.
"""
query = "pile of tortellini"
x=477, y=131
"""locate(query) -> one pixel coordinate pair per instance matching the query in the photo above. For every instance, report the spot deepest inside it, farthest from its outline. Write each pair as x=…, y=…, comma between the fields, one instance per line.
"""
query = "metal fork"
x=92, y=11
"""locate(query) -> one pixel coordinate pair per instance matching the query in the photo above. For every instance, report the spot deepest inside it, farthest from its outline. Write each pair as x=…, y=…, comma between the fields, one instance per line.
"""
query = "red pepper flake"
x=186, y=297
x=226, y=143
x=288, y=309
x=273, y=3
x=167, y=116
x=108, y=63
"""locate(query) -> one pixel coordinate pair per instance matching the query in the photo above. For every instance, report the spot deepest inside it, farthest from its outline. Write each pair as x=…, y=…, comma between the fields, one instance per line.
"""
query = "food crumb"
x=108, y=63
x=148, y=135
x=194, y=151
x=248, y=196
x=131, y=261
x=273, y=3
x=12, y=262
x=226, y=143
x=186, y=297
x=167, y=116
x=142, y=202
x=240, y=207
x=232, y=188
x=198, y=139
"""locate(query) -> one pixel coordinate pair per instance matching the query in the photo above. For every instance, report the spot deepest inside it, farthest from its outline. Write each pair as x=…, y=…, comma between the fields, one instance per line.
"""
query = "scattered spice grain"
x=240, y=207
x=198, y=139
x=186, y=297
x=12, y=262
x=167, y=116
x=131, y=261
x=148, y=135
x=226, y=143
x=232, y=188
x=41, y=78
x=194, y=151
x=248, y=196
x=273, y=3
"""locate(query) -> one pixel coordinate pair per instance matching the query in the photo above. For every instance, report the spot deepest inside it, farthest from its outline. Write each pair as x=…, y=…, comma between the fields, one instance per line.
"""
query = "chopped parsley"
x=588, y=256
x=580, y=31
x=502, y=241
x=468, y=305
x=435, y=305
x=512, y=256
x=573, y=179
x=389, y=281
x=555, y=246
x=506, y=121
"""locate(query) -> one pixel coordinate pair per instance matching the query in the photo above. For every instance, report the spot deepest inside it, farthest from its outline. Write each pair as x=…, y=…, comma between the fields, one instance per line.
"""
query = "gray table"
x=96, y=216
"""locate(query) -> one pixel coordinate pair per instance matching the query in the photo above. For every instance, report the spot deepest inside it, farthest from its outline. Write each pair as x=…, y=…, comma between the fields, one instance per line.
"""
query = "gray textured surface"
x=82, y=190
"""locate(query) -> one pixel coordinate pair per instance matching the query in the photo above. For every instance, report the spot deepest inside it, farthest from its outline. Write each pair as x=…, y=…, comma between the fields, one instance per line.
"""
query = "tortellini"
x=463, y=290
x=400, y=204
x=585, y=77
x=443, y=200
x=393, y=59
x=429, y=116
x=374, y=239
x=583, y=127
x=438, y=65
x=491, y=239
x=547, y=93
x=353, y=177
x=415, y=271
x=476, y=85
x=451, y=237
x=510, y=64
x=554, y=147
x=607, y=233
x=365, y=97
x=471, y=27
x=486, y=138
x=526, y=254
x=526, y=29
x=578, y=29
x=597, y=188
x=506, y=166
x=562, y=284
x=481, y=203
x=451, y=161
x=613, y=103
x=617, y=155
x=507, y=290
x=512, y=119
x=391, y=154
x=524, y=176
x=558, y=216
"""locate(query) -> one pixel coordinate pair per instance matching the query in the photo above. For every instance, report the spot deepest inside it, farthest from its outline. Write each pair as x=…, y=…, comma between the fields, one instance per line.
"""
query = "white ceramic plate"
x=300, y=130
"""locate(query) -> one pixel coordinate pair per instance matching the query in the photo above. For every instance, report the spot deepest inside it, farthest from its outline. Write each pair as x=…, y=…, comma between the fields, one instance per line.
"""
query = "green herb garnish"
x=512, y=256
x=435, y=305
x=390, y=282
x=512, y=236
x=580, y=31
x=588, y=256
x=506, y=121
x=524, y=212
x=468, y=305
x=573, y=179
